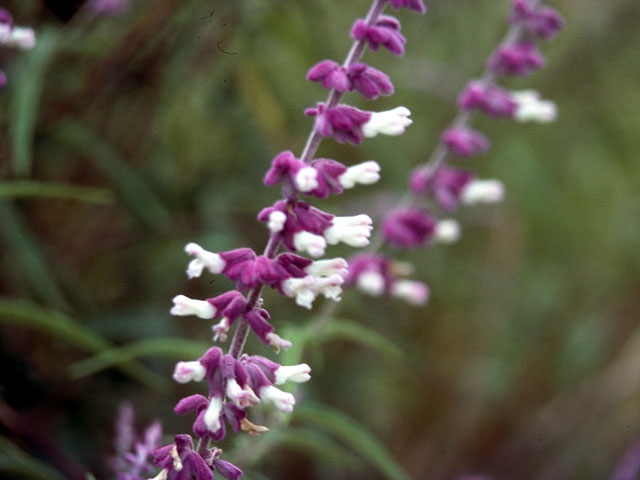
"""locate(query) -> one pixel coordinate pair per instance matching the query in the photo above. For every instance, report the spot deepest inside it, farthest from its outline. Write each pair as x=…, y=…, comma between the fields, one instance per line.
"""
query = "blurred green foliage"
x=121, y=139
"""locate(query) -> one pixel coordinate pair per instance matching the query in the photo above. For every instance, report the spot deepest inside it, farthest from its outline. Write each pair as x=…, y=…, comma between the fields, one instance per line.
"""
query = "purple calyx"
x=385, y=33
x=370, y=82
x=410, y=227
x=342, y=122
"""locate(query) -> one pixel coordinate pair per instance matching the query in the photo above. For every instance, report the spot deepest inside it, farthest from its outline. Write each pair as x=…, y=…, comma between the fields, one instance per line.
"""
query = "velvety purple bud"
x=518, y=59
x=408, y=228
x=370, y=82
x=312, y=219
x=342, y=122
x=258, y=377
x=294, y=264
x=545, y=23
x=211, y=359
x=328, y=173
x=331, y=75
x=419, y=180
x=258, y=271
x=234, y=415
x=257, y=320
x=490, y=99
x=266, y=365
x=416, y=5
x=190, y=404
x=283, y=166
x=199, y=469
x=464, y=141
x=228, y=366
x=374, y=266
x=228, y=305
x=386, y=33
x=227, y=469
x=233, y=257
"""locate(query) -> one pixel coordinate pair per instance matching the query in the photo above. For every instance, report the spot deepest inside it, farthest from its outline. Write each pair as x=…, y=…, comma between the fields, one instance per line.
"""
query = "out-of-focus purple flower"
x=377, y=275
x=109, y=7
x=416, y=5
x=544, y=22
x=464, y=141
x=490, y=99
x=3, y=79
x=385, y=32
x=446, y=185
x=133, y=459
x=531, y=108
x=629, y=465
x=342, y=122
x=521, y=58
x=408, y=227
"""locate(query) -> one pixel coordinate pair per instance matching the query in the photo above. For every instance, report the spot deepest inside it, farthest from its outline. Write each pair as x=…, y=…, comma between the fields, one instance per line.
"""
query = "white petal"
x=531, y=108
x=282, y=400
x=447, y=231
x=187, y=306
x=311, y=243
x=306, y=179
x=328, y=267
x=371, y=283
x=293, y=373
x=365, y=173
x=204, y=259
x=390, y=122
x=483, y=191
x=416, y=293
x=277, y=219
x=189, y=371
x=212, y=415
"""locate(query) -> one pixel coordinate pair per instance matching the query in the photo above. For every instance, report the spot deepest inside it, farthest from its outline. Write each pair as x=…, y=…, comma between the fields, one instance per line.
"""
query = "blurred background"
x=125, y=136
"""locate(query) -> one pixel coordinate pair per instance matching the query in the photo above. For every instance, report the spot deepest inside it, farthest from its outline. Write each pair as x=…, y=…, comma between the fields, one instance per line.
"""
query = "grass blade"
x=154, y=347
x=16, y=462
x=60, y=325
x=354, y=435
x=343, y=329
x=35, y=189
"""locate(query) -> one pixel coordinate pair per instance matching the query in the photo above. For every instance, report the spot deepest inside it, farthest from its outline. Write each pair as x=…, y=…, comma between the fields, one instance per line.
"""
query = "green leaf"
x=16, y=462
x=35, y=189
x=316, y=444
x=28, y=85
x=26, y=250
x=153, y=347
x=343, y=329
x=354, y=435
x=60, y=325
x=140, y=198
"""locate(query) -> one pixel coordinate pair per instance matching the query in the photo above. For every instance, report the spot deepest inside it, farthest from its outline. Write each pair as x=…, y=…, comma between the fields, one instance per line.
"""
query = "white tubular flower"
x=212, y=415
x=371, y=283
x=324, y=268
x=354, y=231
x=278, y=342
x=183, y=306
x=242, y=397
x=390, y=122
x=366, y=173
x=293, y=373
x=416, y=293
x=306, y=289
x=306, y=179
x=5, y=33
x=282, y=400
x=447, y=231
x=189, y=371
x=204, y=259
x=22, y=37
x=483, y=191
x=311, y=243
x=531, y=108
x=277, y=219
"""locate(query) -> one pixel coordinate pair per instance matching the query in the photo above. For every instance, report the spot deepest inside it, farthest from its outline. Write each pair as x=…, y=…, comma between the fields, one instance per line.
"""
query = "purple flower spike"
x=370, y=82
x=544, y=22
x=518, y=59
x=386, y=33
x=490, y=99
x=416, y=5
x=344, y=123
x=331, y=75
x=408, y=228
x=465, y=142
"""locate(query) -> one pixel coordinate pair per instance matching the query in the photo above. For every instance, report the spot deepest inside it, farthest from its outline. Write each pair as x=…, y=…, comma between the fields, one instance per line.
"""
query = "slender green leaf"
x=16, y=462
x=60, y=325
x=34, y=189
x=354, y=435
x=153, y=347
x=132, y=188
x=25, y=248
x=343, y=329
x=316, y=444
x=29, y=82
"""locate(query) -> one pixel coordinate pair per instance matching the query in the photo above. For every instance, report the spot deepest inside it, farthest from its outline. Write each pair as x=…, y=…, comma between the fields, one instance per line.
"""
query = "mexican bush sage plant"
x=236, y=380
